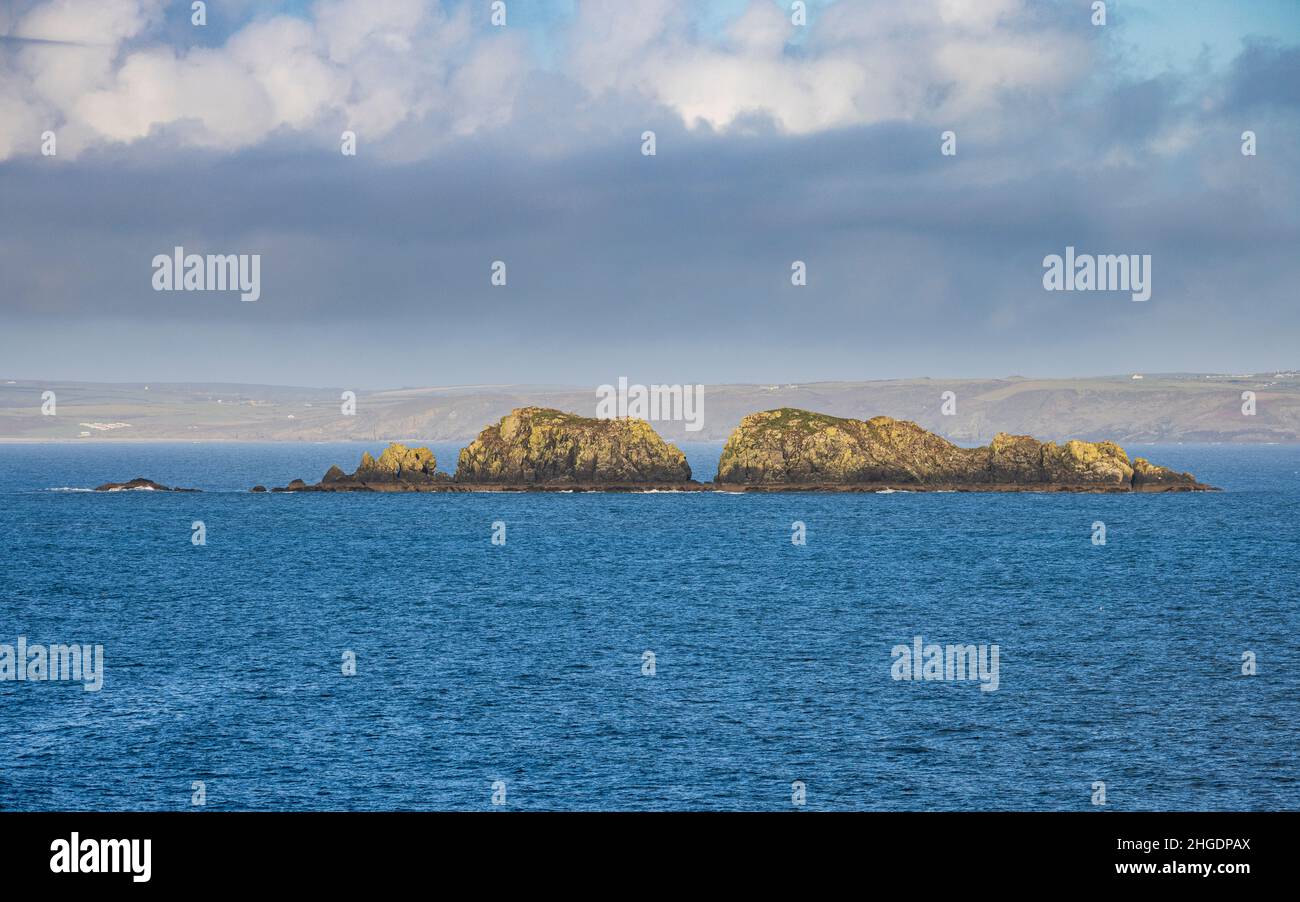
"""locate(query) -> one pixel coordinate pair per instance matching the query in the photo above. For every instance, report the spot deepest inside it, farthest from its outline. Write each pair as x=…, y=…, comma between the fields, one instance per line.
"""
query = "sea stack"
x=398, y=469
x=535, y=446
x=790, y=447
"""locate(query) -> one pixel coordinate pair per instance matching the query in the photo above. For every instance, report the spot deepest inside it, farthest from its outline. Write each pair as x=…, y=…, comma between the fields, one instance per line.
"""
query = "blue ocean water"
x=522, y=663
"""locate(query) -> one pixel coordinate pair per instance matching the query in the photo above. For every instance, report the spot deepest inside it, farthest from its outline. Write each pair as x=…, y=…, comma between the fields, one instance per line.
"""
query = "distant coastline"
x=1155, y=409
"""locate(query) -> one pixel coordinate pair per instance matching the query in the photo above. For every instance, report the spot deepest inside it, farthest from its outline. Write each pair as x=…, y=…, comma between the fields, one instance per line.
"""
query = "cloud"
x=106, y=22
x=369, y=66
x=1265, y=73
x=774, y=144
x=410, y=75
x=858, y=64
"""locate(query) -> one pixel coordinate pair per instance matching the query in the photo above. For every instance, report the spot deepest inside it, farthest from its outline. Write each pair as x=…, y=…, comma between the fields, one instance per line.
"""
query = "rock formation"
x=789, y=447
x=139, y=484
x=396, y=463
x=1147, y=477
x=539, y=449
x=539, y=446
x=398, y=469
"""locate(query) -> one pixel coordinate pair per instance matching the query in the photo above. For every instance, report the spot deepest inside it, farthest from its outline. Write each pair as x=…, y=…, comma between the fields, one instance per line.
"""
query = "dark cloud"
x=675, y=267
x=1265, y=73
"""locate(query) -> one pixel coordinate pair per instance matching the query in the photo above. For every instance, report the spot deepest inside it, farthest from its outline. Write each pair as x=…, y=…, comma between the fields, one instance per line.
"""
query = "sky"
x=774, y=143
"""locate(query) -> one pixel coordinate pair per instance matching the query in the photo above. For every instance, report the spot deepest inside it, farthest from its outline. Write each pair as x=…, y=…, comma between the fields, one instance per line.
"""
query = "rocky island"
x=530, y=449
x=796, y=449
x=536, y=449
x=139, y=484
x=536, y=446
x=398, y=469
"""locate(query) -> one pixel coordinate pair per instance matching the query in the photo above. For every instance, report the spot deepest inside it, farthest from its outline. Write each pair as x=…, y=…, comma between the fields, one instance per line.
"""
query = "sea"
x=655, y=651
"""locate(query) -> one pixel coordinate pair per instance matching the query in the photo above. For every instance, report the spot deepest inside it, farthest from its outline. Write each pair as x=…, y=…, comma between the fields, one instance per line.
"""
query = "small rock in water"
x=139, y=484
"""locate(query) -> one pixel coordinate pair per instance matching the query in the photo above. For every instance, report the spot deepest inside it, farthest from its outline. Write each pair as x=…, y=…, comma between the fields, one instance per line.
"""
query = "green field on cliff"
x=1154, y=408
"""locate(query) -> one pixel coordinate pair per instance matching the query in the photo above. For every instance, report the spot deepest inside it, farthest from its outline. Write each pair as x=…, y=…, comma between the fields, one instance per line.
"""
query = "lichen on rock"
x=797, y=447
x=398, y=468
x=535, y=446
x=397, y=462
x=788, y=446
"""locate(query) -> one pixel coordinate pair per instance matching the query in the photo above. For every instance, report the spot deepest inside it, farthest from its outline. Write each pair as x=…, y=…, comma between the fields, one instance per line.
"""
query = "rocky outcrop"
x=1022, y=460
x=1148, y=477
x=790, y=447
x=544, y=447
x=539, y=449
x=397, y=463
x=398, y=469
x=139, y=484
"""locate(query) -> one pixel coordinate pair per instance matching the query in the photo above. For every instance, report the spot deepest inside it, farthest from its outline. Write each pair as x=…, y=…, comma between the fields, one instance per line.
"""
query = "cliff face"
x=535, y=445
x=796, y=447
x=1020, y=460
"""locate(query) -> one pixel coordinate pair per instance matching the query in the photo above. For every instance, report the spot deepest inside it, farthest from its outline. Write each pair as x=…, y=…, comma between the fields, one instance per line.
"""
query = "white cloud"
x=859, y=63
x=378, y=66
x=78, y=21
